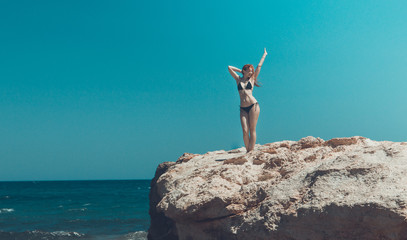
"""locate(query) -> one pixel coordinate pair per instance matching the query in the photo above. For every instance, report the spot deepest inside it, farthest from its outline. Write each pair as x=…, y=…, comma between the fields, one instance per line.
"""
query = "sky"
x=110, y=89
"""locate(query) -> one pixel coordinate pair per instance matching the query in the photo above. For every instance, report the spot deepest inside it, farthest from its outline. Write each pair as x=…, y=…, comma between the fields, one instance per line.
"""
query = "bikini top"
x=248, y=86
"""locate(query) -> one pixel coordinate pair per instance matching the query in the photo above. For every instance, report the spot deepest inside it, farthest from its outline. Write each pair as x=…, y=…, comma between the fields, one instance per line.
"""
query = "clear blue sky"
x=110, y=89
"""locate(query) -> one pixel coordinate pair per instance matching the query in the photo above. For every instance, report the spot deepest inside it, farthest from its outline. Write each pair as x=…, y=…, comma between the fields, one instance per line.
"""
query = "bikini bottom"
x=247, y=109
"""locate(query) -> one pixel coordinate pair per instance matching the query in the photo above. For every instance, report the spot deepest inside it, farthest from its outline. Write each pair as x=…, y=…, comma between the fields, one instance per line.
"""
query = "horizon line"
x=75, y=180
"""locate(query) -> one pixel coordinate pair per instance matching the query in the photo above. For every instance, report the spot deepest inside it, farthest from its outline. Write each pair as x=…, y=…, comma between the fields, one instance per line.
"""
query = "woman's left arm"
x=257, y=71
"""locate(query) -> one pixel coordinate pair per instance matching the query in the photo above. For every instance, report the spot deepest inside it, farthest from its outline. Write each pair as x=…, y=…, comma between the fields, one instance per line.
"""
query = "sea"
x=64, y=210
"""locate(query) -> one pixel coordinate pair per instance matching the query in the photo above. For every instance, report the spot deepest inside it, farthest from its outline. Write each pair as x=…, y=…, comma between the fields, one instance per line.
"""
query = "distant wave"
x=39, y=235
x=77, y=209
x=6, y=210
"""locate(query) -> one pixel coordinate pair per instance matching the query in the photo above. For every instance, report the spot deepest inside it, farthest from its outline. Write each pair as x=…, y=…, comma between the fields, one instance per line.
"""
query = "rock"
x=344, y=188
x=334, y=142
x=186, y=157
x=310, y=142
x=161, y=227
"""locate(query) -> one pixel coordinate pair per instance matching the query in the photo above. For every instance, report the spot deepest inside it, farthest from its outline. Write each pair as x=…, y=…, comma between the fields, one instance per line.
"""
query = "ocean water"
x=59, y=210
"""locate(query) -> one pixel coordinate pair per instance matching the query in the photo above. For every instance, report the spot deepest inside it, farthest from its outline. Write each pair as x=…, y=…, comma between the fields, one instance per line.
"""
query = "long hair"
x=250, y=66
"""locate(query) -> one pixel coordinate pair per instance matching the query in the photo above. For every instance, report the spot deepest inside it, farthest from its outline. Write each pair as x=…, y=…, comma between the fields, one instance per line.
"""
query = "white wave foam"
x=74, y=220
x=139, y=235
x=66, y=234
x=6, y=210
x=78, y=209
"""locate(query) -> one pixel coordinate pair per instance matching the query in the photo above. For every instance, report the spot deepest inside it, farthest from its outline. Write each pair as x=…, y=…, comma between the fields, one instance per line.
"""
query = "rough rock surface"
x=344, y=188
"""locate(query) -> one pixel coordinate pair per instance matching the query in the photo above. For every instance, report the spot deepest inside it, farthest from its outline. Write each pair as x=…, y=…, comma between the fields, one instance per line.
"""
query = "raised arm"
x=232, y=71
x=257, y=71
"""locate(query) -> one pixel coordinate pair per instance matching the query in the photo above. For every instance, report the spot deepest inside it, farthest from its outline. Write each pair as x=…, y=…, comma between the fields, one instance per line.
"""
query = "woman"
x=249, y=107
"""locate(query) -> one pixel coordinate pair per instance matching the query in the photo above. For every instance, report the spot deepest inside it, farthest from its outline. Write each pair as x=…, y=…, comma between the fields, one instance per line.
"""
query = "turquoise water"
x=74, y=209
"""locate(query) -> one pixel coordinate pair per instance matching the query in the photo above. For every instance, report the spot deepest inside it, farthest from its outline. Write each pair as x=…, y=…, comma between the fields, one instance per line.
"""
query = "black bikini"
x=247, y=109
x=248, y=86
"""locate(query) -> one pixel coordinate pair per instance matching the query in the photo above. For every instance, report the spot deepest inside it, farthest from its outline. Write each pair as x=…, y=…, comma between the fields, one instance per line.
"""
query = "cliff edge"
x=344, y=188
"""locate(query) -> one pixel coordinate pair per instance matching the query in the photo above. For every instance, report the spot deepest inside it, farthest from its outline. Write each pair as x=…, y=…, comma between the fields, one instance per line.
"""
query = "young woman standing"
x=249, y=107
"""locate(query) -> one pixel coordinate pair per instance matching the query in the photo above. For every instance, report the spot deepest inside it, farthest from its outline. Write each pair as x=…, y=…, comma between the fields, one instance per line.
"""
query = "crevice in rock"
x=313, y=177
x=214, y=219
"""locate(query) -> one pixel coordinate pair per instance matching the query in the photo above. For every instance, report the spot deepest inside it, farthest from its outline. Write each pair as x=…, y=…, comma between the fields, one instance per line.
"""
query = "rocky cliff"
x=344, y=188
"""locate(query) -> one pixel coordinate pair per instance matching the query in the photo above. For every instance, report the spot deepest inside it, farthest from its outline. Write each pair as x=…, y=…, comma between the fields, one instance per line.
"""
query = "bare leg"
x=253, y=117
x=244, y=120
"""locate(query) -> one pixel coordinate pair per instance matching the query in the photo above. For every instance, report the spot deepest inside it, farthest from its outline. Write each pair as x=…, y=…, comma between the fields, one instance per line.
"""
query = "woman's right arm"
x=232, y=71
